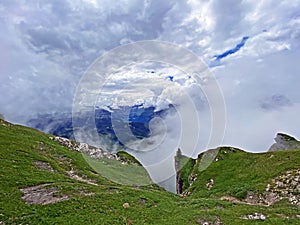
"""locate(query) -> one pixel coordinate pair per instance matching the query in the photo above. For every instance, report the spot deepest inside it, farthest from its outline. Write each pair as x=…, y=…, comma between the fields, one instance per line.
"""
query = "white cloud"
x=45, y=47
x=249, y=125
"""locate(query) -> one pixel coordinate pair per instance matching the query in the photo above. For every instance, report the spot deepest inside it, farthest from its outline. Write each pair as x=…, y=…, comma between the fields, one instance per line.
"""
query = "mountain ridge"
x=67, y=190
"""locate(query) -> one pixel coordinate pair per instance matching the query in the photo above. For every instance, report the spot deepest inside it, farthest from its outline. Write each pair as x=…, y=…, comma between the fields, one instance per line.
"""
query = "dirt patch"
x=42, y=195
x=44, y=166
x=216, y=221
x=84, y=193
x=231, y=199
x=72, y=174
x=267, y=199
x=64, y=159
x=253, y=199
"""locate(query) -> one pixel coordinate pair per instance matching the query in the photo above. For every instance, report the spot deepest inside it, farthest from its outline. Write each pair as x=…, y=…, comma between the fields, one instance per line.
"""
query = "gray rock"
x=284, y=142
x=254, y=216
x=91, y=151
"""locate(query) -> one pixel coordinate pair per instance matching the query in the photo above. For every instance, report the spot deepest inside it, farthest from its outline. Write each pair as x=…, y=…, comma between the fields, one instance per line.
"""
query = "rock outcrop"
x=93, y=152
x=85, y=148
x=179, y=181
x=285, y=186
x=284, y=142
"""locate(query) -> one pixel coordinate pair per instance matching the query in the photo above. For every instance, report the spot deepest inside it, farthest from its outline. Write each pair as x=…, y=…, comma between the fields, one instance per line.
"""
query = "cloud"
x=46, y=46
x=250, y=87
x=274, y=102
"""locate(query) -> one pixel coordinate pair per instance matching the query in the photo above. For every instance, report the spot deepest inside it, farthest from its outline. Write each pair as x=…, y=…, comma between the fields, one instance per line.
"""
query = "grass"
x=237, y=172
x=234, y=173
x=127, y=174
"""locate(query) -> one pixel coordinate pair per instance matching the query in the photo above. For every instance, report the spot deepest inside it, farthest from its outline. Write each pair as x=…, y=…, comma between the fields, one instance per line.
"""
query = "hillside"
x=44, y=181
x=241, y=175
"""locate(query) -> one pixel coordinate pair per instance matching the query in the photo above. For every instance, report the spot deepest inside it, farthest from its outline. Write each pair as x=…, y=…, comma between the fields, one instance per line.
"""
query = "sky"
x=251, y=48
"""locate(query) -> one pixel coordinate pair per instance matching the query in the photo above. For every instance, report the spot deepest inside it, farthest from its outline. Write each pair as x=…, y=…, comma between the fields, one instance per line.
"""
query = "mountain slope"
x=44, y=182
x=235, y=173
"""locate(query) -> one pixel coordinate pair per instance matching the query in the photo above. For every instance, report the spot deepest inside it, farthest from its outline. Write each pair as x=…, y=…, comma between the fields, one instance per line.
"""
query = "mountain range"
x=130, y=121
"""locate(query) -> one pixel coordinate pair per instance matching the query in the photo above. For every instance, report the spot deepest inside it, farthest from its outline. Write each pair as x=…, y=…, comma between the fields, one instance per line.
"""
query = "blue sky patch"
x=233, y=50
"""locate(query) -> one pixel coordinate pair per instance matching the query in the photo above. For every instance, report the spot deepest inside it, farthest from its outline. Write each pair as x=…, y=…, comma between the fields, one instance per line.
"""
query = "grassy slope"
x=237, y=172
x=20, y=147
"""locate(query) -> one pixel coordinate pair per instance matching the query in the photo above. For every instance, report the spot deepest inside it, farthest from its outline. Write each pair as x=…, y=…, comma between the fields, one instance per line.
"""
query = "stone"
x=210, y=184
x=254, y=216
x=284, y=142
x=268, y=187
x=91, y=151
